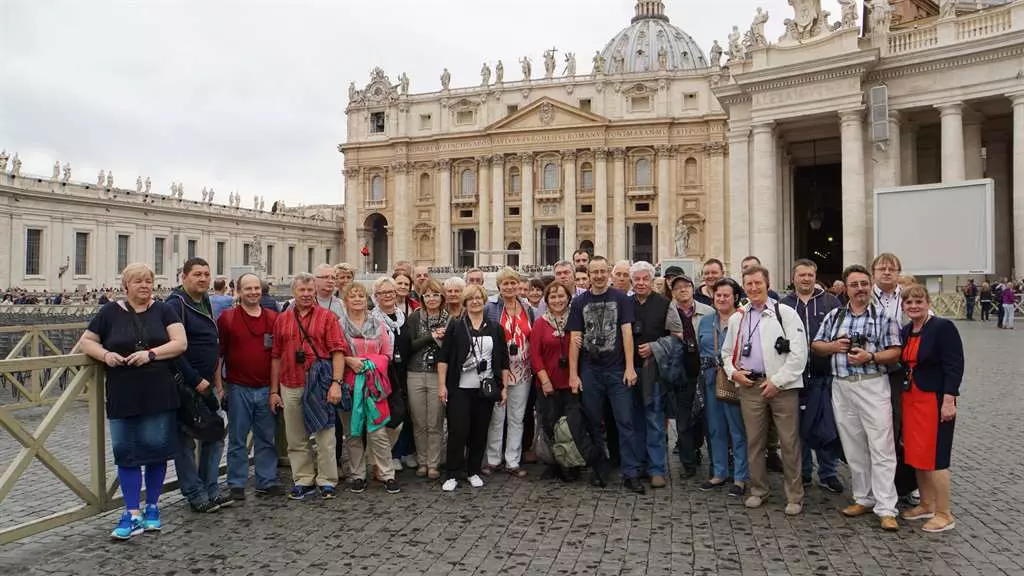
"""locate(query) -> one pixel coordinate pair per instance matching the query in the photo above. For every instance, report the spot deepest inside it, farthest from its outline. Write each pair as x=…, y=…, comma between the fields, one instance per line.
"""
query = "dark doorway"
x=512, y=259
x=550, y=244
x=818, y=218
x=378, y=226
x=465, y=255
x=643, y=242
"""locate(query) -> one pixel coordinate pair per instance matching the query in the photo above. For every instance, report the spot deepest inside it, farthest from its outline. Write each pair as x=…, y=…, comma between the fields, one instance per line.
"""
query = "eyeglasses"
x=886, y=269
x=432, y=295
x=324, y=277
x=386, y=293
x=863, y=284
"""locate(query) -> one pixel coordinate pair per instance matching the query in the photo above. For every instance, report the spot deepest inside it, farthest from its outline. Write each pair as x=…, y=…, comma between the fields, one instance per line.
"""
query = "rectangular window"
x=158, y=255
x=123, y=241
x=585, y=104
x=513, y=211
x=586, y=208
x=191, y=247
x=270, y=260
x=33, y=251
x=465, y=213
x=511, y=109
x=309, y=260
x=327, y=255
x=222, y=251
x=640, y=103
x=376, y=122
x=291, y=260
x=464, y=117
x=81, y=253
x=643, y=207
x=426, y=122
x=689, y=100
x=245, y=255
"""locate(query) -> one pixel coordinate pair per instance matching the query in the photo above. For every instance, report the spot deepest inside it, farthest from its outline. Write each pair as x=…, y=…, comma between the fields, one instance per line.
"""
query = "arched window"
x=690, y=175
x=513, y=259
x=550, y=176
x=587, y=176
x=377, y=188
x=468, y=182
x=515, y=181
x=643, y=172
x=426, y=193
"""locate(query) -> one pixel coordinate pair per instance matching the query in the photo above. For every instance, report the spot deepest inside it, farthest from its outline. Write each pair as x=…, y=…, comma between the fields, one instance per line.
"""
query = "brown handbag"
x=725, y=391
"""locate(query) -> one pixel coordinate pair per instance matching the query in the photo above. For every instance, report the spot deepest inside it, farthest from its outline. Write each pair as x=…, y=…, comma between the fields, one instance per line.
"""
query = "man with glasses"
x=863, y=340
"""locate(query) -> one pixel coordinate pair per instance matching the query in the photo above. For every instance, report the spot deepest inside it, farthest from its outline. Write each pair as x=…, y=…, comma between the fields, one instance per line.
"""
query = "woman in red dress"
x=934, y=356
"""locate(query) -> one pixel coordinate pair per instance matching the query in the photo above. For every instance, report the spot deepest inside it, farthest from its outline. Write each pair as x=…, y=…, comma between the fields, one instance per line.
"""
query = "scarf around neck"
x=369, y=331
x=557, y=323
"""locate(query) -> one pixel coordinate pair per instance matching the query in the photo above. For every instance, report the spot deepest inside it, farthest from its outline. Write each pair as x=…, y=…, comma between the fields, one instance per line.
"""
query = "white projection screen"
x=938, y=229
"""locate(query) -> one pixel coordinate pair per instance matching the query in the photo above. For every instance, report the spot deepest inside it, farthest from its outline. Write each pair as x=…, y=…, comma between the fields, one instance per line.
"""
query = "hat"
x=683, y=277
x=673, y=271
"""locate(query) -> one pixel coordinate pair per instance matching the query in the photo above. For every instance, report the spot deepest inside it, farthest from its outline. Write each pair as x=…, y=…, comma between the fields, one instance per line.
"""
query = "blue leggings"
x=131, y=483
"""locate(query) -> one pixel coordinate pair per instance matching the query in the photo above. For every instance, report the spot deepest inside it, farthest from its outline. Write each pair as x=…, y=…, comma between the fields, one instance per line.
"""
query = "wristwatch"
x=152, y=355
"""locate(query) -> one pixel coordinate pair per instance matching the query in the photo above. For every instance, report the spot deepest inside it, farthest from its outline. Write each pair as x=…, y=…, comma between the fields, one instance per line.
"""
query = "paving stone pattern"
x=531, y=526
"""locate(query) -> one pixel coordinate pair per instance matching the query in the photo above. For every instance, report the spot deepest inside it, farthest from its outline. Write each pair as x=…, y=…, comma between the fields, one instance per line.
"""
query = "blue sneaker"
x=327, y=492
x=298, y=491
x=151, y=518
x=128, y=526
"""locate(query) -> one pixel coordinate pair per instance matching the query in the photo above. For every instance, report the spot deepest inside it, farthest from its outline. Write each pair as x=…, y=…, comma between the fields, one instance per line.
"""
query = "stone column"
x=765, y=209
x=498, y=209
x=738, y=201
x=952, y=119
x=483, y=185
x=402, y=225
x=443, y=257
x=618, y=233
x=999, y=167
x=714, y=182
x=974, y=166
x=569, y=207
x=601, y=201
x=526, y=209
x=851, y=133
x=1018, y=184
x=665, y=211
x=353, y=196
x=908, y=154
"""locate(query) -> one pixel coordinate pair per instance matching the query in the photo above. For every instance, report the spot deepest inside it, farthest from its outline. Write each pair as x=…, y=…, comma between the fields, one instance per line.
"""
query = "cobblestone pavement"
x=532, y=526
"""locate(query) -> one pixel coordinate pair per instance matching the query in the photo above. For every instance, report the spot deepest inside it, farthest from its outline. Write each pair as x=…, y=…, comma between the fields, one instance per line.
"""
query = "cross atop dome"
x=650, y=10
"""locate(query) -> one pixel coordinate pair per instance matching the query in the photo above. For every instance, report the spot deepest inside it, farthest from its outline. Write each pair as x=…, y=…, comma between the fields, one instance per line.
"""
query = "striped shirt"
x=880, y=330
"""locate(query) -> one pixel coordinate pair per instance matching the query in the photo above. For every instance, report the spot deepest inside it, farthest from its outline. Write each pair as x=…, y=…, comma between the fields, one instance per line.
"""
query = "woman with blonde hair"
x=137, y=339
x=426, y=327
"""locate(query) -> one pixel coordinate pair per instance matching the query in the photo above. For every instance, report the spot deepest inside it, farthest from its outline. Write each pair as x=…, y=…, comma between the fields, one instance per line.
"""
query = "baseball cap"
x=673, y=271
x=682, y=277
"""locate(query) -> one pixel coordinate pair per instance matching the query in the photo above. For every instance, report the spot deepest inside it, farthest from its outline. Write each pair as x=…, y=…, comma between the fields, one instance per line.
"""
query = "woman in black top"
x=473, y=349
x=426, y=327
x=136, y=338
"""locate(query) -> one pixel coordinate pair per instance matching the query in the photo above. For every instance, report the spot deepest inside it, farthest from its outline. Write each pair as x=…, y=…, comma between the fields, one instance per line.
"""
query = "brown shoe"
x=854, y=510
x=657, y=481
x=889, y=524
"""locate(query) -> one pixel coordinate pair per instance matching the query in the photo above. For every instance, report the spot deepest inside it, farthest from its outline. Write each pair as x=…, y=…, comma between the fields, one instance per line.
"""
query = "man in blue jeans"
x=600, y=322
x=246, y=339
x=198, y=365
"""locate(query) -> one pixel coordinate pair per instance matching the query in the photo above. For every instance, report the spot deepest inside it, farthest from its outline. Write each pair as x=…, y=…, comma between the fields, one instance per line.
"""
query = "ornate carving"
x=499, y=73
x=600, y=154
x=498, y=159
x=665, y=150
x=848, y=14
x=526, y=158
x=947, y=9
x=570, y=65
x=716, y=148
x=754, y=38
x=716, y=54
x=569, y=155
x=618, y=153
x=444, y=163
x=527, y=67
x=598, y=69
x=400, y=166
x=446, y=79
x=549, y=62
x=485, y=74
x=547, y=113
x=881, y=20
x=808, y=21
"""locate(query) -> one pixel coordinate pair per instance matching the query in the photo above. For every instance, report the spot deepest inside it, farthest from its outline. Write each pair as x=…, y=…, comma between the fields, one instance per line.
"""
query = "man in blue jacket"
x=812, y=304
x=198, y=481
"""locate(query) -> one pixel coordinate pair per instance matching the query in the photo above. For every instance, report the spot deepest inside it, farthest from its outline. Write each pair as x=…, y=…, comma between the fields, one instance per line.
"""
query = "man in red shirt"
x=246, y=337
x=302, y=334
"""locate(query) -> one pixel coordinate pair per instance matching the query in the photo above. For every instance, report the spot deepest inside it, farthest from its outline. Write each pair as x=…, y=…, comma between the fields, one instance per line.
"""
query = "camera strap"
x=140, y=332
x=472, y=340
x=778, y=316
x=305, y=335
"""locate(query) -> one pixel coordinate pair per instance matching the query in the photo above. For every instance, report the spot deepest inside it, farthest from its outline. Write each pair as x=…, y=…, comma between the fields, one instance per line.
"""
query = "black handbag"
x=489, y=387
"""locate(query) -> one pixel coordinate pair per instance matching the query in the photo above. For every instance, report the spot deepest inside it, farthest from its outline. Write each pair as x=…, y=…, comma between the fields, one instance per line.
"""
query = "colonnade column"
x=854, y=202
x=403, y=229
x=738, y=222
x=714, y=230
x=974, y=166
x=353, y=196
x=526, y=209
x=444, y=214
x=569, y=200
x=483, y=183
x=887, y=172
x=1018, y=184
x=765, y=211
x=952, y=123
x=665, y=211
x=498, y=200
x=601, y=201
x=619, y=205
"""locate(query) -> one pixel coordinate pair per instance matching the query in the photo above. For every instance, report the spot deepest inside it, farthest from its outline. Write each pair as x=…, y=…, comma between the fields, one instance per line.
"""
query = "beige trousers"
x=758, y=413
x=427, y=417
x=303, y=472
x=377, y=451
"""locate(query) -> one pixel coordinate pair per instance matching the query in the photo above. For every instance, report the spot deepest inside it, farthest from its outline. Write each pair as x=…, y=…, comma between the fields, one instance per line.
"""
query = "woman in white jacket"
x=765, y=355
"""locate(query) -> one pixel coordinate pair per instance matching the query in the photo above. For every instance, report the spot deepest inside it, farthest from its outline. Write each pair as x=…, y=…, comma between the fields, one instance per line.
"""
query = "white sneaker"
x=476, y=481
x=410, y=461
x=396, y=464
x=449, y=485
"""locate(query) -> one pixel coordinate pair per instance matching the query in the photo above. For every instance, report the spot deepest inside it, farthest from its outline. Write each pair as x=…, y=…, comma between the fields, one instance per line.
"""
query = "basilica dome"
x=637, y=47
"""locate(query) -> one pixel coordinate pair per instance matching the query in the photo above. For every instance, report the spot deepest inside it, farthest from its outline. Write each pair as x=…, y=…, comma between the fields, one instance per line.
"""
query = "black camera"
x=300, y=356
x=139, y=346
x=756, y=376
x=782, y=345
x=563, y=362
x=481, y=366
x=858, y=340
x=430, y=358
x=513, y=349
x=397, y=357
x=691, y=346
x=907, y=378
x=746, y=350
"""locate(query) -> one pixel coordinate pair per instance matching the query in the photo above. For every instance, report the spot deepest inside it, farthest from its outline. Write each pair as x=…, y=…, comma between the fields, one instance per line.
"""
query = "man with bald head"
x=620, y=277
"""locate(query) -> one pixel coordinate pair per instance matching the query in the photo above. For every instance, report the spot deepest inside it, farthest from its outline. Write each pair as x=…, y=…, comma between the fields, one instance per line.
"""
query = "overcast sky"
x=250, y=95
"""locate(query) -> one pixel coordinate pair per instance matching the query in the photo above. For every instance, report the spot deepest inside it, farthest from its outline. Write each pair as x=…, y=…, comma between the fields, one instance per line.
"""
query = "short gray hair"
x=454, y=282
x=563, y=264
x=641, y=266
x=302, y=278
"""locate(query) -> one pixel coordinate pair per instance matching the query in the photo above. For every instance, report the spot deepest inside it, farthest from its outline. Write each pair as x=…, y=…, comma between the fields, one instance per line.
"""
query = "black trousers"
x=529, y=420
x=687, y=426
x=469, y=416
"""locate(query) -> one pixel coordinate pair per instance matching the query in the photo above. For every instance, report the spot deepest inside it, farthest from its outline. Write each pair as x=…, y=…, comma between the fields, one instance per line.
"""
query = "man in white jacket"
x=764, y=355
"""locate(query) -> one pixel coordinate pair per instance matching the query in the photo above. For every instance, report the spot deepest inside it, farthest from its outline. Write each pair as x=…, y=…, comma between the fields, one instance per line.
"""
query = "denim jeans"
x=724, y=422
x=599, y=384
x=649, y=440
x=249, y=411
x=198, y=485
x=826, y=463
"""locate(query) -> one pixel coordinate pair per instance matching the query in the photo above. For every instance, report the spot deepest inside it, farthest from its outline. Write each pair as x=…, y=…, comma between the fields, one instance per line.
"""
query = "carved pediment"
x=463, y=104
x=547, y=113
x=640, y=89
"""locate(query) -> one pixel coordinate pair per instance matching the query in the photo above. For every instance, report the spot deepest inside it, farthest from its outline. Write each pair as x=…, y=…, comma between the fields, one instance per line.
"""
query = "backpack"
x=564, y=448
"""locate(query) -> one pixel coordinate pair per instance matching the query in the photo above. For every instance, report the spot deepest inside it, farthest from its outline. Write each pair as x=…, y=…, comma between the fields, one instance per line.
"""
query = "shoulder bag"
x=725, y=391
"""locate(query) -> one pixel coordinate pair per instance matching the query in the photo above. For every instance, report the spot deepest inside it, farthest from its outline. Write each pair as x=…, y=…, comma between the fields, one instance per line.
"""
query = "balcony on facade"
x=641, y=192
x=370, y=203
x=965, y=28
x=549, y=195
x=464, y=200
